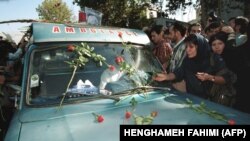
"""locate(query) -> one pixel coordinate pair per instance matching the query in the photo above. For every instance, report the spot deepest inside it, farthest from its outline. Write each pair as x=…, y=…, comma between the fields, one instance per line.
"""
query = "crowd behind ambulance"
x=211, y=62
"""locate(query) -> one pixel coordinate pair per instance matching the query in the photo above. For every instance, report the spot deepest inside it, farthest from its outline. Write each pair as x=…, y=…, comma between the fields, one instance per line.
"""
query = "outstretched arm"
x=164, y=76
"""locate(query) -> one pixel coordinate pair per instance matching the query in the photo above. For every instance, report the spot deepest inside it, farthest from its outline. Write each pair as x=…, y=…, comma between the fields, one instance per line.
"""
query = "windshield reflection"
x=50, y=74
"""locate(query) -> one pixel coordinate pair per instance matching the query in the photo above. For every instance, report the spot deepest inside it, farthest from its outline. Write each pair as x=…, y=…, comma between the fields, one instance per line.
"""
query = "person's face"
x=156, y=38
x=167, y=38
x=208, y=34
x=191, y=50
x=215, y=30
x=172, y=35
x=209, y=21
x=237, y=28
x=232, y=23
x=218, y=46
x=195, y=29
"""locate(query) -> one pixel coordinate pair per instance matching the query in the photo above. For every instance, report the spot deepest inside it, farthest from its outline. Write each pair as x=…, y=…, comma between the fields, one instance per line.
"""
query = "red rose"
x=71, y=48
x=119, y=60
x=100, y=118
x=154, y=114
x=111, y=67
x=120, y=34
x=231, y=122
x=127, y=114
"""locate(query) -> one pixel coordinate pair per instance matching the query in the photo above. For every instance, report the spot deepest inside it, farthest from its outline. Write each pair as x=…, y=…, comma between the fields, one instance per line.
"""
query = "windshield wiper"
x=142, y=89
x=90, y=96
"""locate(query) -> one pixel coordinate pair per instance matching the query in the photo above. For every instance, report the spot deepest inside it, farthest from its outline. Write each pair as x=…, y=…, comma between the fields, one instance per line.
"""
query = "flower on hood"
x=111, y=67
x=98, y=118
x=128, y=114
x=154, y=114
x=231, y=122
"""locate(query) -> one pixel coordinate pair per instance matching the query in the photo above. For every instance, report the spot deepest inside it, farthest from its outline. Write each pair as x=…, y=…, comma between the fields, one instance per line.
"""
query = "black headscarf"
x=200, y=62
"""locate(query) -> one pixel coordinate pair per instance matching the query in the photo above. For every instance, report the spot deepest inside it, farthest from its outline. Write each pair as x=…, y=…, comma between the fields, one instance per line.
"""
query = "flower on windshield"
x=119, y=60
x=83, y=53
x=111, y=67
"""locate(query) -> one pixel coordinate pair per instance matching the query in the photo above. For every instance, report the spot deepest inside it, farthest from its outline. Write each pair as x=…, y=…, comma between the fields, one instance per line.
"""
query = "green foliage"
x=202, y=108
x=120, y=13
x=127, y=68
x=133, y=103
x=83, y=53
x=173, y=5
x=54, y=11
x=143, y=120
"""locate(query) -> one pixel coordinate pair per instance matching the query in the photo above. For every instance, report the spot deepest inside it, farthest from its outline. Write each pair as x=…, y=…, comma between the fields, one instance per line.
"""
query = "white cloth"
x=240, y=39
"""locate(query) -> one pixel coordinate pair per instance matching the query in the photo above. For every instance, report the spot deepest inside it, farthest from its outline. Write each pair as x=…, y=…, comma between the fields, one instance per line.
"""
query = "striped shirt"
x=178, y=55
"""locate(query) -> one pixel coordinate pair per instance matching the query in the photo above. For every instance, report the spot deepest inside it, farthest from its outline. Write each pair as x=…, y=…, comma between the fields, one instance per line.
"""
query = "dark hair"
x=147, y=30
x=203, y=48
x=192, y=38
x=4, y=51
x=213, y=16
x=232, y=18
x=194, y=24
x=179, y=27
x=166, y=31
x=243, y=22
x=222, y=36
x=214, y=25
x=157, y=28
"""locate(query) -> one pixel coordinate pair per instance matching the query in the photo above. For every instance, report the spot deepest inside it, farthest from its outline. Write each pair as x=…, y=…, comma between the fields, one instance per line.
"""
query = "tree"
x=54, y=11
x=121, y=13
x=223, y=8
x=132, y=12
x=173, y=5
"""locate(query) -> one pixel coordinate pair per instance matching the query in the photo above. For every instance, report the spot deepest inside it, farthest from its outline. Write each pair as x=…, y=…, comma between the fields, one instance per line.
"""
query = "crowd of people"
x=211, y=62
x=11, y=56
